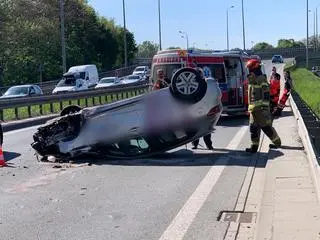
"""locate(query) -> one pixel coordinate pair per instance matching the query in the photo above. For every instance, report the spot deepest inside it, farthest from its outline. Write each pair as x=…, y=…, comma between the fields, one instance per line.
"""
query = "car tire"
x=182, y=91
x=70, y=109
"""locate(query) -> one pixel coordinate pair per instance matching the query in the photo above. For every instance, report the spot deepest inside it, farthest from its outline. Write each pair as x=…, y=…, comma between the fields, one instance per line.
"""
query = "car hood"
x=138, y=73
x=126, y=81
x=14, y=96
x=64, y=89
x=105, y=84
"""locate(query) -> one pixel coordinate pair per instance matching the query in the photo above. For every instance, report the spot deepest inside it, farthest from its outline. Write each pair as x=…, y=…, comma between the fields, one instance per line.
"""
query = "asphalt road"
x=177, y=196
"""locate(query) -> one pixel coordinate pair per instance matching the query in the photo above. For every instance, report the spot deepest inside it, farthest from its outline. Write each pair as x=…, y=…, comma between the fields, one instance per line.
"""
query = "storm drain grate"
x=238, y=217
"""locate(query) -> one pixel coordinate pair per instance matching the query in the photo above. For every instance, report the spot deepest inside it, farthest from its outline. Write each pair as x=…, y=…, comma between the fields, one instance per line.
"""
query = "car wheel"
x=70, y=109
x=188, y=85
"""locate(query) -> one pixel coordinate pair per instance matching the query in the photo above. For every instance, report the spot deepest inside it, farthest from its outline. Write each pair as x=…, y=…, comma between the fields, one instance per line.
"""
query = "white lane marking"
x=180, y=224
x=20, y=130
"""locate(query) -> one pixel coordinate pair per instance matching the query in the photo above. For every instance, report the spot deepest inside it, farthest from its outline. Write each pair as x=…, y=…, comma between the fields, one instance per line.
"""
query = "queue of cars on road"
x=79, y=78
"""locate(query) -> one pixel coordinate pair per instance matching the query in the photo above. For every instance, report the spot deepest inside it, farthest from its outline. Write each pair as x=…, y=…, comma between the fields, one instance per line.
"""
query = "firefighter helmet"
x=253, y=64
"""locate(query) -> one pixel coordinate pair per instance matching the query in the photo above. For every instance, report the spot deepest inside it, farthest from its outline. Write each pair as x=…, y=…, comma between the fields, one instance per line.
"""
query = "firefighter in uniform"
x=274, y=92
x=207, y=138
x=285, y=94
x=259, y=107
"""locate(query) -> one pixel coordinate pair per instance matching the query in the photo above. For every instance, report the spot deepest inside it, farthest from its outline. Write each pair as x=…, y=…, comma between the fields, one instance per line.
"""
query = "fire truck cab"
x=228, y=68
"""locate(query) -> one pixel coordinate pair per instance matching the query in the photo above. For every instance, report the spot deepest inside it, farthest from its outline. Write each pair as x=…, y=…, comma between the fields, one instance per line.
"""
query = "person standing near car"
x=273, y=72
x=259, y=107
x=274, y=92
x=160, y=81
x=285, y=94
x=207, y=138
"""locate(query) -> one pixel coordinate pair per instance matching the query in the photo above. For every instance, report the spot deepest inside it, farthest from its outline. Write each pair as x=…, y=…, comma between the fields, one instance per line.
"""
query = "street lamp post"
x=307, y=45
x=314, y=30
x=317, y=36
x=159, y=25
x=63, y=41
x=124, y=35
x=243, y=30
x=186, y=36
x=228, y=26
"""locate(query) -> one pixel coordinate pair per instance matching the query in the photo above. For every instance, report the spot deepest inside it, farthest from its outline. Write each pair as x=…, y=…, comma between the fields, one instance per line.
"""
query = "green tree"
x=131, y=47
x=289, y=43
x=173, y=48
x=30, y=37
x=262, y=46
x=147, y=49
x=236, y=49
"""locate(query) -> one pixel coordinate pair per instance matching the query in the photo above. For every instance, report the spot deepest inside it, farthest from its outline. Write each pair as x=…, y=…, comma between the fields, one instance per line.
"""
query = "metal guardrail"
x=96, y=96
x=309, y=117
x=311, y=121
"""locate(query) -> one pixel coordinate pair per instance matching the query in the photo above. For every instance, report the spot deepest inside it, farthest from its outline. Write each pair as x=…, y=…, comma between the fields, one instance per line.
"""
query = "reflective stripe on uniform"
x=255, y=143
x=275, y=138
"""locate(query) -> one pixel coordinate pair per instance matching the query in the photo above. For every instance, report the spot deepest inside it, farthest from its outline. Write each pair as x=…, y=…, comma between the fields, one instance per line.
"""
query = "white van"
x=78, y=78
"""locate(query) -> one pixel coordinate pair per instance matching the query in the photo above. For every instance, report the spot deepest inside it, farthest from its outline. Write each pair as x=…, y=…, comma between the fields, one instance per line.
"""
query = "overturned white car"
x=137, y=127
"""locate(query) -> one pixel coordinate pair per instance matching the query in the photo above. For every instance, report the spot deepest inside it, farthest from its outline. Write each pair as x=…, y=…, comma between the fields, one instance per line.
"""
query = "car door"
x=32, y=91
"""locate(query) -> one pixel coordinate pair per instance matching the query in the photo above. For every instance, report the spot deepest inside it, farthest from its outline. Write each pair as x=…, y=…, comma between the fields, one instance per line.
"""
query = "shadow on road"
x=8, y=156
x=292, y=147
x=186, y=157
x=233, y=121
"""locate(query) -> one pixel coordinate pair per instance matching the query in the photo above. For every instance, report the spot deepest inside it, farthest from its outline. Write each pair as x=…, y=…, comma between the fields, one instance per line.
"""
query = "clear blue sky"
x=205, y=20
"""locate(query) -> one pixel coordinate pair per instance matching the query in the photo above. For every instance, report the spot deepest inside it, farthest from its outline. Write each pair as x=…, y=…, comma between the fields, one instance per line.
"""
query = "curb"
x=250, y=196
x=19, y=124
x=309, y=149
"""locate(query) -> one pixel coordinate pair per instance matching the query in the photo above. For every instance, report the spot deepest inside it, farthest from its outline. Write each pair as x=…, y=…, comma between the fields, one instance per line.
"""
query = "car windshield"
x=17, y=90
x=107, y=80
x=67, y=81
x=139, y=69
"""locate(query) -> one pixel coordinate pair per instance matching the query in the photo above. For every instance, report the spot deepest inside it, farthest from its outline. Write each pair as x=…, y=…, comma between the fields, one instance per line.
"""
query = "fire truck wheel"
x=188, y=85
x=70, y=109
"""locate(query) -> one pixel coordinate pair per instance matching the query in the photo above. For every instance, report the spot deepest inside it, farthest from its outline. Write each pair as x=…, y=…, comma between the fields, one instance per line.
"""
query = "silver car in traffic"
x=141, y=126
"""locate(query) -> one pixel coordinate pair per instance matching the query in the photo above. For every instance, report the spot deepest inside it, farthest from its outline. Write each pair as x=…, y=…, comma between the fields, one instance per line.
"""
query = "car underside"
x=131, y=127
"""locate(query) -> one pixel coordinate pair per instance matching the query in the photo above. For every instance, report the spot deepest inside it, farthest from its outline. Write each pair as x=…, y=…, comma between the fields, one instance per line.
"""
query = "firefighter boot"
x=253, y=149
x=276, y=143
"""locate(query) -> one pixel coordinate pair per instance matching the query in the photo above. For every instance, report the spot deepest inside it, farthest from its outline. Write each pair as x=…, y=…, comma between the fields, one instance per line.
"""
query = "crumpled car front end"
x=48, y=138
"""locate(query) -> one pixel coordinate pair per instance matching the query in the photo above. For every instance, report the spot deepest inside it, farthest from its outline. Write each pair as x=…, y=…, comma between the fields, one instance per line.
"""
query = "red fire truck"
x=228, y=68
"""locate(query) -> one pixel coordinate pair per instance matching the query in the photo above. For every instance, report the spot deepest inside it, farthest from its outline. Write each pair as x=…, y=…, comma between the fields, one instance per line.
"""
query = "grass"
x=10, y=114
x=307, y=86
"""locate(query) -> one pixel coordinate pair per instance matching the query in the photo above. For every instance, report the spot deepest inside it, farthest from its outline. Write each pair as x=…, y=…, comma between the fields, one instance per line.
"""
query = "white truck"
x=78, y=78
